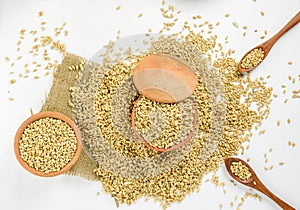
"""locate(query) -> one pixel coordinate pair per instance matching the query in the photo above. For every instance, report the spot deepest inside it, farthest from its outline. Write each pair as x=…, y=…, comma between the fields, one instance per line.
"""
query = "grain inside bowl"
x=47, y=145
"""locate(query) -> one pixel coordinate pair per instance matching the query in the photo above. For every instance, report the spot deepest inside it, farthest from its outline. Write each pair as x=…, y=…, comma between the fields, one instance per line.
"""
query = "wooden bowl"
x=38, y=116
x=164, y=78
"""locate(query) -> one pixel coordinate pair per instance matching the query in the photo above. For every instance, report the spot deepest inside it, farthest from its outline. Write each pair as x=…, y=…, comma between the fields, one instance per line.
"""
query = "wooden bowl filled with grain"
x=47, y=144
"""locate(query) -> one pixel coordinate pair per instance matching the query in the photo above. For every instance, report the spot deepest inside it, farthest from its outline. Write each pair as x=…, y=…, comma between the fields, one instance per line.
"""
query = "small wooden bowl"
x=38, y=116
x=164, y=78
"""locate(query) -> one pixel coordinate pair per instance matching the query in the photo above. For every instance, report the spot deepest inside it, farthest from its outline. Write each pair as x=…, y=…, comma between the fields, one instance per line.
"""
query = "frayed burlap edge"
x=59, y=99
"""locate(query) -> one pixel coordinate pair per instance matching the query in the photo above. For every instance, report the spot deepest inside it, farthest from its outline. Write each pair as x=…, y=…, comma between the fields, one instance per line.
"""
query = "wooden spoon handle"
x=262, y=188
x=288, y=26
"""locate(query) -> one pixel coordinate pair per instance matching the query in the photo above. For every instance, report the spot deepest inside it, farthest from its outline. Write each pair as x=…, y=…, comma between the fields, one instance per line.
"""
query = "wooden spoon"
x=267, y=45
x=255, y=183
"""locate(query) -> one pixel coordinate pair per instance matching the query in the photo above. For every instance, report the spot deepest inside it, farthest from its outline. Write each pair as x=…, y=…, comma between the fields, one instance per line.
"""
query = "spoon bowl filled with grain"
x=47, y=144
x=252, y=59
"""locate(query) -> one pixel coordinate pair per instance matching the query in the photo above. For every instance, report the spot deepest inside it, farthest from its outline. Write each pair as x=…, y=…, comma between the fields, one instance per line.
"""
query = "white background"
x=91, y=24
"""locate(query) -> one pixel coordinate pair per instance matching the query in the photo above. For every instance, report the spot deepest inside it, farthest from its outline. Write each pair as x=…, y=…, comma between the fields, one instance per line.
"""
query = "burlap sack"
x=58, y=101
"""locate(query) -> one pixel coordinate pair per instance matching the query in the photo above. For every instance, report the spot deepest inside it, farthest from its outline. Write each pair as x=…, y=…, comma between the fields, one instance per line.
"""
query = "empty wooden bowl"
x=164, y=78
x=35, y=117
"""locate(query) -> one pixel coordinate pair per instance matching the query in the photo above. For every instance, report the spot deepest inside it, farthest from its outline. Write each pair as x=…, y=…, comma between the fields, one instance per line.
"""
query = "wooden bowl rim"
x=36, y=117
